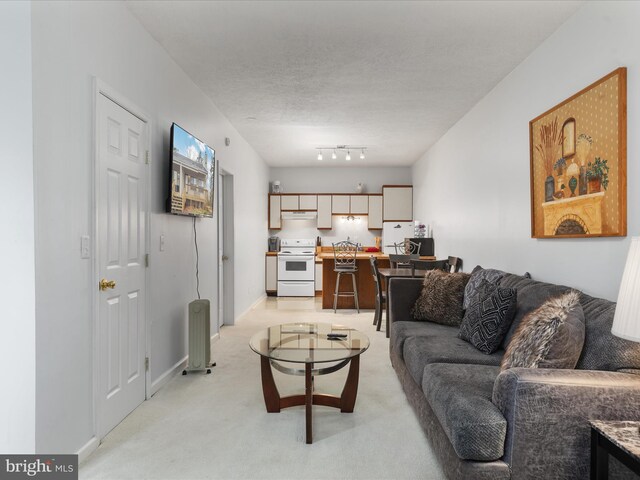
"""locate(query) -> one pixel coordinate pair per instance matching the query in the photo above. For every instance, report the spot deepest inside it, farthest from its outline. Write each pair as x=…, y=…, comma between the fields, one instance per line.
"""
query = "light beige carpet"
x=216, y=426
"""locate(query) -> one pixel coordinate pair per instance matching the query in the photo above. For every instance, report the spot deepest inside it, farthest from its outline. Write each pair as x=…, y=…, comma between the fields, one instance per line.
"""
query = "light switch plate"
x=85, y=247
x=162, y=242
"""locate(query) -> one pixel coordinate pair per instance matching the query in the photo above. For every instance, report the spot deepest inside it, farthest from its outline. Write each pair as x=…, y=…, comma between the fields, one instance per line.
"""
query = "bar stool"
x=344, y=256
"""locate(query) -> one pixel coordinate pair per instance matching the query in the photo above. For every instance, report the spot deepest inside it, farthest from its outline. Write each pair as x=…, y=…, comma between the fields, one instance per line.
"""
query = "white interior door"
x=225, y=249
x=221, y=260
x=121, y=228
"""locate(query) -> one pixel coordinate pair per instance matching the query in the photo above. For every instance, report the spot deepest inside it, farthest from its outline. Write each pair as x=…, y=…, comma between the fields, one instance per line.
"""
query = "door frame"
x=101, y=88
x=228, y=242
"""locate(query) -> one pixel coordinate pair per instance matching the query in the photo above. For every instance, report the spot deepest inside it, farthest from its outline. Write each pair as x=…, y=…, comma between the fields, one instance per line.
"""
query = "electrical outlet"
x=162, y=242
x=85, y=247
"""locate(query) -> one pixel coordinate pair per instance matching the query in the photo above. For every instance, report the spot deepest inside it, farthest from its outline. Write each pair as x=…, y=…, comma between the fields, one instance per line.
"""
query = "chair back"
x=455, y=264
x=344, y=255
x=428, y=265
x=400, y=261
x=376, y=275
x=407, y=248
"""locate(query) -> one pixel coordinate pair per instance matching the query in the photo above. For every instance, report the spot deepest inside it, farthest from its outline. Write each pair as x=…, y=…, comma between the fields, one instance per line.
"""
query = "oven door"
x=296, y=267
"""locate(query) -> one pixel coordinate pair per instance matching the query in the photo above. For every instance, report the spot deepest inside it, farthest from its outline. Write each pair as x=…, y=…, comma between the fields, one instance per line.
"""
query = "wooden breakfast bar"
x=364, y=280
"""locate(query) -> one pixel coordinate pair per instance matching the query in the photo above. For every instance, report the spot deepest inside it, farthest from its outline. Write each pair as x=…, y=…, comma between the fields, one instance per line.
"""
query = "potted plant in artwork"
x=598, y=175
x=559, y=167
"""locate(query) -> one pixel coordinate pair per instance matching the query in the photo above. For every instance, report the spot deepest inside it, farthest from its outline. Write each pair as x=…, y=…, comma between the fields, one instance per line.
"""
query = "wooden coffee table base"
x=345, y=402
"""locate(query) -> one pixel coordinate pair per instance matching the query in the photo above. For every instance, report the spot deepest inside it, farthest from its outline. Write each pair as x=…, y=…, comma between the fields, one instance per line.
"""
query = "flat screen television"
x=192, y=176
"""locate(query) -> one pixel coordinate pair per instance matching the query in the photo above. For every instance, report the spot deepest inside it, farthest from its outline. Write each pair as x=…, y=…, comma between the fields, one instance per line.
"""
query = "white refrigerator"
x=395, y=232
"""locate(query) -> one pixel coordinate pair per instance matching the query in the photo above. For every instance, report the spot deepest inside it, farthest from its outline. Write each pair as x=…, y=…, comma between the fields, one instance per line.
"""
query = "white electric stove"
x=296, y=268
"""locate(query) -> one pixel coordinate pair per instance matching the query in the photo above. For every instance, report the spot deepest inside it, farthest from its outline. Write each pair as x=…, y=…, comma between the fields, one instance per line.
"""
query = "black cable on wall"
x=195, y=240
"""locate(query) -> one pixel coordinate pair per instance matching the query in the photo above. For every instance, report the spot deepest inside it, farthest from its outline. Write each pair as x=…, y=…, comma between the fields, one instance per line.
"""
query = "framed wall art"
x=579, y=163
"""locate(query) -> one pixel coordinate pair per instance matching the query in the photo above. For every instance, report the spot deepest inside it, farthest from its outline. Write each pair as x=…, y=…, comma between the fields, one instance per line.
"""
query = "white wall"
x=356, y=230
x=473, y=184
x=72, y=42
x=17, y=290
x=338, y=179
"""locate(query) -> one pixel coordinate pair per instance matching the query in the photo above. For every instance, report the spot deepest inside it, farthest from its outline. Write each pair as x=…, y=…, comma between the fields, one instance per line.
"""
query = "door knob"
x=224, y=257
x=105, y=284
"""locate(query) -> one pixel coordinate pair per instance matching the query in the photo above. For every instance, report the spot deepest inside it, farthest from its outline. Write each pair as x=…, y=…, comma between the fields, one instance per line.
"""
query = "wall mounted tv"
x=192, y=177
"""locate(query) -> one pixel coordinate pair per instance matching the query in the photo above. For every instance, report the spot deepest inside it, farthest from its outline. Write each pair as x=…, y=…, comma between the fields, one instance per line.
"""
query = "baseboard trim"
x=87, y=449
x=215, y=337
x=253, y=305
x=166, y=376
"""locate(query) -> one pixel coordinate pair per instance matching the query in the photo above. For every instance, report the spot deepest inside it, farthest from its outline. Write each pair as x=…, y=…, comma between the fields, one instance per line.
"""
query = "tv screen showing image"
x=192, y=175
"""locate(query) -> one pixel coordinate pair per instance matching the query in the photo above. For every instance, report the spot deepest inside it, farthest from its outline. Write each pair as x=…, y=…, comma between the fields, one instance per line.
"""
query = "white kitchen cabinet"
x=340, y=204
x=397, y=203
x=308, y=202
x=375, y=212
x=271, y=273
x=324, y=212
x=290, y=202
x=274, y=212
x=319, y=277
x=359, y=204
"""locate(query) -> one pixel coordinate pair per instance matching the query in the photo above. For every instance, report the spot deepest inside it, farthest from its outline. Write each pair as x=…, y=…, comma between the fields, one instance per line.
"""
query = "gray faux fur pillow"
x=441, y=298
x=552, y=336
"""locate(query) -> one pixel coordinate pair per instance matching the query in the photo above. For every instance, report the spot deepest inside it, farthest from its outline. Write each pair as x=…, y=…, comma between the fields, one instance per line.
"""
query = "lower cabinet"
x=318, y=277
x=271, y=274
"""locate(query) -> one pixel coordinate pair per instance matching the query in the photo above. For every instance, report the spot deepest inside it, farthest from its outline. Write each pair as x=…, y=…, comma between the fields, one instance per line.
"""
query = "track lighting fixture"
x=341, y=148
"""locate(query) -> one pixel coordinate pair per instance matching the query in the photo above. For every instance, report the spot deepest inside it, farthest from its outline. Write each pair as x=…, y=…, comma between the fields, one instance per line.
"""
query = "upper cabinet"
x=308, y=202
x=340, y=204
x=397, y=203
x=290, y=202
x=359, y=204
x=394, y=204
x=275, y=221
x=324, y=212
x=375, y=212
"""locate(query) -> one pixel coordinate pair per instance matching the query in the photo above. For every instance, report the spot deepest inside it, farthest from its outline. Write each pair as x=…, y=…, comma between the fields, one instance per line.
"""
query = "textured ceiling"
x=394, y=76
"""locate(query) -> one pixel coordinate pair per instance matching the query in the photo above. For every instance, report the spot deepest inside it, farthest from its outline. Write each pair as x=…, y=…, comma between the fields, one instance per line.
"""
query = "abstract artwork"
x=578, y=163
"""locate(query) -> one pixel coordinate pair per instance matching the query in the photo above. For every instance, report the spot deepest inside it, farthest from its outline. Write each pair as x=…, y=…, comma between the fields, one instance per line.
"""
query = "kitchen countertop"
x=364, y=256
x=359, y=256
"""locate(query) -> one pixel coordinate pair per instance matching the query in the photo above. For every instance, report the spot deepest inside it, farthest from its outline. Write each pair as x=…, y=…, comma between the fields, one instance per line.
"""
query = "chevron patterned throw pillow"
x=488, y=317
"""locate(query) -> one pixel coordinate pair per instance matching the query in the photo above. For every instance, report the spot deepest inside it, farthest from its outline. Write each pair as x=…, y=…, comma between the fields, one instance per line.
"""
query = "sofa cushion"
x=400, y=331
x=421, y=351
x=603, y=350
x=531, y=295
x=441, y=298
x=460, y=396
x=551, y=336
x=488, y=317
x=479, y=274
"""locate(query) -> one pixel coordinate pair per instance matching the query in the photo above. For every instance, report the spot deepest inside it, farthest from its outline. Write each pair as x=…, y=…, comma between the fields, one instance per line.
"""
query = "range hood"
x=299, y=215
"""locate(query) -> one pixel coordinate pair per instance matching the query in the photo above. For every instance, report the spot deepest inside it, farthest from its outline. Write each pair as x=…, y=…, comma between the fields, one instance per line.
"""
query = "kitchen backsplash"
x=356, y=230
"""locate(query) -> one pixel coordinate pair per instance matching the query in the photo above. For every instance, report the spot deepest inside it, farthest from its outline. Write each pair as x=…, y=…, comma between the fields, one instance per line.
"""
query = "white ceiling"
x=394, y=76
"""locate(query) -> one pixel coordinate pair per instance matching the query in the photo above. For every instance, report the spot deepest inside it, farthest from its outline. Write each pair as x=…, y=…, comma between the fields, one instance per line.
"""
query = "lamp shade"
x=626, y=321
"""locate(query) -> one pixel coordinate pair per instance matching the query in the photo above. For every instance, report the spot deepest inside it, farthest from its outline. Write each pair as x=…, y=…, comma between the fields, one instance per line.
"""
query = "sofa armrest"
x=403, y=293
x=547, y=413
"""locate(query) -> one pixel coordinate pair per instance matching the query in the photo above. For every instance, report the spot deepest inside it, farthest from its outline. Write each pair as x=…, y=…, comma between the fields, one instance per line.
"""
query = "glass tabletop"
x=308, y=343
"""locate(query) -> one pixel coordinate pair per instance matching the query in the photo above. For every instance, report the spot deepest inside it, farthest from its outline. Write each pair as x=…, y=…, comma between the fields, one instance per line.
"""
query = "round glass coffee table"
x=307, y=349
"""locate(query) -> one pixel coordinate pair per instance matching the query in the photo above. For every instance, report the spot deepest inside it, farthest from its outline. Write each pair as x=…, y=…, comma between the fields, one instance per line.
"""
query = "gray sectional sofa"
x=520, y=423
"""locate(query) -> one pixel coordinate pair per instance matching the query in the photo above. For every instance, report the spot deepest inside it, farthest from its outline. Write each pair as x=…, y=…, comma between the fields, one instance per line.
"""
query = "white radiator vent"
x=199, y=335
